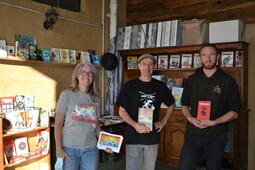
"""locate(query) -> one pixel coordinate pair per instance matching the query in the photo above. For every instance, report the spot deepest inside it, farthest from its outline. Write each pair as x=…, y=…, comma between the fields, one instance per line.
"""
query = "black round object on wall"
x=109, y=61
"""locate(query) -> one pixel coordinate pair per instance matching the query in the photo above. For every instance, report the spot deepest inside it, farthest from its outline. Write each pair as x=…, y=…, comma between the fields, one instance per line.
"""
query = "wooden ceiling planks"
x=145, y=11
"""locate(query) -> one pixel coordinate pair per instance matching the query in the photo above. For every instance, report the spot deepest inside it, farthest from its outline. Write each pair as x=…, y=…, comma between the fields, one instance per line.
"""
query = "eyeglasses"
x=84, y=73
x=208, y=55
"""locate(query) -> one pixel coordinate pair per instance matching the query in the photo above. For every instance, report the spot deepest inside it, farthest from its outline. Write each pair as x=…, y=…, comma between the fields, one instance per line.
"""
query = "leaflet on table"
x=109, y=140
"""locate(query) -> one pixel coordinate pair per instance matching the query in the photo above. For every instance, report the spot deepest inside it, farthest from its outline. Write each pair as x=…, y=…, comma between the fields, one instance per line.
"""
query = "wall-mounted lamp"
x=51, y=18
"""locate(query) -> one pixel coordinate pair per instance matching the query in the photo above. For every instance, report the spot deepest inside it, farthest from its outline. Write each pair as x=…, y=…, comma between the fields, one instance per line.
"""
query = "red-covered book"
x=204, y=110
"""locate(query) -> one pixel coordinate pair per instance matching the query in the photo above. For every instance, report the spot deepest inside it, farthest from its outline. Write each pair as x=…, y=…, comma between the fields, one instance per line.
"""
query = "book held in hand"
x=109, y=140
x=204, y=110
x=145, y=116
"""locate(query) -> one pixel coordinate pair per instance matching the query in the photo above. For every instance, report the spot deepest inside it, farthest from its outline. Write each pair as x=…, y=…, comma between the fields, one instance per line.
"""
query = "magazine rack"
x=33, y=162
x=172, y=137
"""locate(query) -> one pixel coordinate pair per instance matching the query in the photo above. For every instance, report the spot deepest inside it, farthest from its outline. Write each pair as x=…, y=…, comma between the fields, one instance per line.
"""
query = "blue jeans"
x=141, y=157
x=197, y=148
x=81, y=159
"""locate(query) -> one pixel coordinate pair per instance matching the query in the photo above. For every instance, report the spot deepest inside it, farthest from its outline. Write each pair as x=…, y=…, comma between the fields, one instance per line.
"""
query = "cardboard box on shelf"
x=194, y=32
x=226, y=31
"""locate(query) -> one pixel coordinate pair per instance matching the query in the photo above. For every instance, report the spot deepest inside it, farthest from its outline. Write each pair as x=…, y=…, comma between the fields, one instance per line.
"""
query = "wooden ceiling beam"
x=145, y=11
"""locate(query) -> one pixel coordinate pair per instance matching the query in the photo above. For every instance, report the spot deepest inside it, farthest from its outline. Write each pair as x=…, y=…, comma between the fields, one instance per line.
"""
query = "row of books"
x=18, y=102
x=18, y=150
x=151, y=35
x=25, y=120
x=26, y=48
x=227, y=59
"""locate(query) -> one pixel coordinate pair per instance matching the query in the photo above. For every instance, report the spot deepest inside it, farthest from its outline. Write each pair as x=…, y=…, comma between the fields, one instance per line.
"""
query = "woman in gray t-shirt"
x=76, y=126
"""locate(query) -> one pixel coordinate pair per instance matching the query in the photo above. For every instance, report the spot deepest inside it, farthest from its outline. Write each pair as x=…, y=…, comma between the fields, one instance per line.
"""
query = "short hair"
x=93, y=89
x=208, y=45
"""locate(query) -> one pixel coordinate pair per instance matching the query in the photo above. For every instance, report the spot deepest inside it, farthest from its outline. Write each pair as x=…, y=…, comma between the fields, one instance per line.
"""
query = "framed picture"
x=174, y=61
x=163, y=61
x=186, y=60
x=197, y=61
x=239, y=58
x=227, y=59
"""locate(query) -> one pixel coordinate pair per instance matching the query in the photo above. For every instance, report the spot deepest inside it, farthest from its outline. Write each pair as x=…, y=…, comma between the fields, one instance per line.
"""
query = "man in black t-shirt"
x=210, y=100
x=143, y=96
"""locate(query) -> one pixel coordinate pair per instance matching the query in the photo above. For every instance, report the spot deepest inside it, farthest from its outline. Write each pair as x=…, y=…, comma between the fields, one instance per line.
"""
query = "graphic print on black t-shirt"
x=147, y=100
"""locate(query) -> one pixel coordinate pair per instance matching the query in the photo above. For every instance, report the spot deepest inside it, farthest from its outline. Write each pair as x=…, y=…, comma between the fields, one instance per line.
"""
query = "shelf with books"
x=233, y=60
x=23, y=132
x=17, y=60
x=32, y=159
x=25, y=147
x=37, y=62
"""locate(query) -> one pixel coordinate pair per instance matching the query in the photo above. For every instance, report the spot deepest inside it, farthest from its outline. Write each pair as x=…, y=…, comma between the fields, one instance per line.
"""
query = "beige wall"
x=250, y=38
x=46, y=81
x=65, y=34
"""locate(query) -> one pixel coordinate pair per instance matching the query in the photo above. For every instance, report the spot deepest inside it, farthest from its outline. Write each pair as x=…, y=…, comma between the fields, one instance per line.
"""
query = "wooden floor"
x=119, y=164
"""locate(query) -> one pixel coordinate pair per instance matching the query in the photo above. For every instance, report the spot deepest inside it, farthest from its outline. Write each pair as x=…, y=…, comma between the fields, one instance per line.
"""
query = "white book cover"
x=154, y=35
x=3, y=49
x=120, y=38
x=11, y=51
x=149, y=36
x=173, y=37
x=143, y=29
x=54, y=53
x=174, y=61
x=159, y=34
x=163, y=34
x=72, y=56
x=44, y=118
x=32, y=118
x=186, y=60
x=227, y=59
x=134, y=37
x=21, y=146
x=163, y=61
x=109, y=140
x=167, y=34
x=197, y=61
x=142, y=34
x=127, y=39
x=145, y=116
x=29, y=102
x=84, y=57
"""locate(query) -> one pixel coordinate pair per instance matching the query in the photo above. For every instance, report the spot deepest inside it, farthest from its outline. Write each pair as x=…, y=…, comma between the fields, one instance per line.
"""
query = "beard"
x=209, y=66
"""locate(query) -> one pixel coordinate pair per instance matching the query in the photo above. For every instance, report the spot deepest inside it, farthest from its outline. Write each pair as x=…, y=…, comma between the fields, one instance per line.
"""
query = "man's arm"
x=161, y=124
x=229, y=116
x=140, y=128
x=192, y=120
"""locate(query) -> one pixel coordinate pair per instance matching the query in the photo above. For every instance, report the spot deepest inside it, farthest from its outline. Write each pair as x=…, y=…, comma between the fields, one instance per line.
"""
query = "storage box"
x=194, y=32
x=226, y=31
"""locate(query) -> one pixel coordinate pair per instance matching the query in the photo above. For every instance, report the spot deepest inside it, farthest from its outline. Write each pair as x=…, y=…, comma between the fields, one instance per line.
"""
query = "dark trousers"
x=197, y=148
